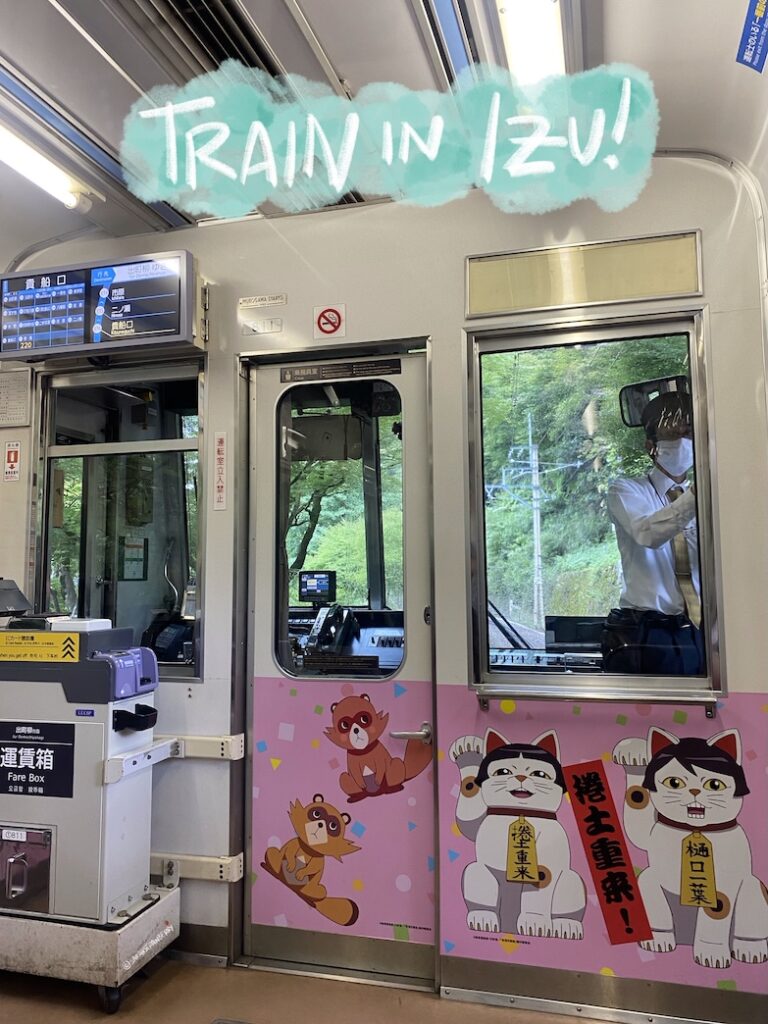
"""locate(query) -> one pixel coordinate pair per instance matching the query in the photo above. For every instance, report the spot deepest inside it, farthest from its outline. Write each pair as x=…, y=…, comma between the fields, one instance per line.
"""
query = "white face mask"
x=676, y=457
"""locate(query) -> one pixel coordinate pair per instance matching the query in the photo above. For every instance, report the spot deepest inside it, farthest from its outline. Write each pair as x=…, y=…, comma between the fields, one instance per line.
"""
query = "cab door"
x=342, y=810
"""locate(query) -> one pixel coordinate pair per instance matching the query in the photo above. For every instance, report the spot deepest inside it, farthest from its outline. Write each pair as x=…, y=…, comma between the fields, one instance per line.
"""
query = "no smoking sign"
x=330, y=321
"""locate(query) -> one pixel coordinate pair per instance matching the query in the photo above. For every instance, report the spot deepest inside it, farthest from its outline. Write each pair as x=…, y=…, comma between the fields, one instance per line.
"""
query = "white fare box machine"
x=76, y=754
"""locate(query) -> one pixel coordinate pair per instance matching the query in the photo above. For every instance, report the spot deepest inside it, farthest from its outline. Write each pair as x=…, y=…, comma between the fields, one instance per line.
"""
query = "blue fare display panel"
x=318, y=587
x=74, y=310
x=135, y=300
x=44, y=311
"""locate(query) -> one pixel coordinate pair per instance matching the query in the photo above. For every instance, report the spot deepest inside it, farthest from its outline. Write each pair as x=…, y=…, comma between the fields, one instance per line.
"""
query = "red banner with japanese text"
x=607, y=854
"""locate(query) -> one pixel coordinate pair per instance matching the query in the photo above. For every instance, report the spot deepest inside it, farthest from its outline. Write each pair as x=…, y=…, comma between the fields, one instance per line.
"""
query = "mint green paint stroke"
x=235, y=138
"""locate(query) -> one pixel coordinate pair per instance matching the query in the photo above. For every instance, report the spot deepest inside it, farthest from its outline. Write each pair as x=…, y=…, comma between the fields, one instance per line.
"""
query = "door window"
x=340, y=529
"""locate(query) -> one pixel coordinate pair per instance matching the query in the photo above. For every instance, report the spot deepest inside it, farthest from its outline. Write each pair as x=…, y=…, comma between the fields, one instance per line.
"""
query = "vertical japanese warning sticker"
x=606, y=849
x=220, y=472
x=12, y=463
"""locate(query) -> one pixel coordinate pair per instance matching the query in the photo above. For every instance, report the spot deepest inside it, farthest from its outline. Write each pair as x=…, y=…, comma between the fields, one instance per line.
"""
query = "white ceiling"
x=708, y=101
x=91, y=77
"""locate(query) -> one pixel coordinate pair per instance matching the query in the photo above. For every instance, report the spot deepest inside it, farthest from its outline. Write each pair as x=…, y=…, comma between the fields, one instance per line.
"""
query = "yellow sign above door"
x=39, y=646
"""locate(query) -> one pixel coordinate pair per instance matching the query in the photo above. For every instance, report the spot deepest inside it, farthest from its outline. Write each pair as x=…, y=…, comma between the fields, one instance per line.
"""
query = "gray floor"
x=178, y=993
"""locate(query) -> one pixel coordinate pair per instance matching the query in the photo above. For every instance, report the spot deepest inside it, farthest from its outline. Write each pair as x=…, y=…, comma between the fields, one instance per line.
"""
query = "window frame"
x=48, y=452
x=488, y=683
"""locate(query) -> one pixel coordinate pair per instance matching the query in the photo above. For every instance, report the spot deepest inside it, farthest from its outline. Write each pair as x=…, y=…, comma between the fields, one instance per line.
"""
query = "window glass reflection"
x=122, y=545
x=591, y=537
x=109, y=413
x=340, y=529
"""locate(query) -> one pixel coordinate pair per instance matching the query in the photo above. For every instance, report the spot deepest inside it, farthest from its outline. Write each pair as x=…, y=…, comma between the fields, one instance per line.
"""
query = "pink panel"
x=585, y=732
x=384, y=887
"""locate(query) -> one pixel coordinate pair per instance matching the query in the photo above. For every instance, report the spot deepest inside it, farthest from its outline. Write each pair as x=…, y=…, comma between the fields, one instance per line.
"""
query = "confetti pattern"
x=588, y=731
x=391, y=877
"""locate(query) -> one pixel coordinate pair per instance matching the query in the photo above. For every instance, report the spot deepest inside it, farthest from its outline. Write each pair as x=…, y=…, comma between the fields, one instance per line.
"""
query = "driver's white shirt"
x=645, y=522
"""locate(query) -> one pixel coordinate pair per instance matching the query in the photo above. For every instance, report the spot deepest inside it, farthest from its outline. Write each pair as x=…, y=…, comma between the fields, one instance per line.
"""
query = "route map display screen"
x=92, y=308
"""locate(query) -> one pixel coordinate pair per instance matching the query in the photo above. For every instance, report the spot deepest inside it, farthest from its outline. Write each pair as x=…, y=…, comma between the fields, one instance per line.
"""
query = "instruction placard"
x=15, y=395
x=37, y=758
x=12, y=462
x=39, y=646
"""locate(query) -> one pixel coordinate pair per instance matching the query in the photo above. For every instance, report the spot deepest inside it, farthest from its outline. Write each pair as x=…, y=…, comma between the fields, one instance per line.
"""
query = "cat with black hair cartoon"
x=682, y=805
x=522, y=881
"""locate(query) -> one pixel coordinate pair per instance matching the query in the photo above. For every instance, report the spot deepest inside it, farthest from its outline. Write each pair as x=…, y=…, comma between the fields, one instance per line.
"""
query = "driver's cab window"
x=591, y=532
x=340, y=529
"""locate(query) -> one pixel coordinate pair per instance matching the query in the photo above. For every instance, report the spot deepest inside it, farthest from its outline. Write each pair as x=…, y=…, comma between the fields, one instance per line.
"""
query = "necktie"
x=683, y=568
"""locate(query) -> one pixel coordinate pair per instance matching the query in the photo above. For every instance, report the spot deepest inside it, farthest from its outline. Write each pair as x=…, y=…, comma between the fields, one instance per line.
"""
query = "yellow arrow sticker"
x=42, y=646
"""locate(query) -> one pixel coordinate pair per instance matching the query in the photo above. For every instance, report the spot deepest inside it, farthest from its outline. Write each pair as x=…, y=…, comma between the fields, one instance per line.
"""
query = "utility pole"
x=538, y=573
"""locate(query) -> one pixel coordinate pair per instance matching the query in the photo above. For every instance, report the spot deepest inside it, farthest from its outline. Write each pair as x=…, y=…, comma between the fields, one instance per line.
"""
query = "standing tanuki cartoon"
x=299, y=863
x=371, y=769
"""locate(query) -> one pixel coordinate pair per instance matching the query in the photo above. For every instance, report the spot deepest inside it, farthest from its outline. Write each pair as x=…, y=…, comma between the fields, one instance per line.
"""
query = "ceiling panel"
x=53, y=56
x=30, y=215
x=707, y=100
x=372, y=42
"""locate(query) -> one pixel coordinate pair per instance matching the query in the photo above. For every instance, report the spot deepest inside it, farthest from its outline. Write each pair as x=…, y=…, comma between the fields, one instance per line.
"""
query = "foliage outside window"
x=553, y=443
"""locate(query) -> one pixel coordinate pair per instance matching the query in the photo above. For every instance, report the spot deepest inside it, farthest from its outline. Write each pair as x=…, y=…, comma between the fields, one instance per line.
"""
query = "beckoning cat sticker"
x=299, y=864
x=682, y=804
x=522, y=881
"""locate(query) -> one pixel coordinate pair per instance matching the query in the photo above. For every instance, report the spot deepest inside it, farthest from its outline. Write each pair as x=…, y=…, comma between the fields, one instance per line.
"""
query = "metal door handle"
x=424, y=734
x=11, y=890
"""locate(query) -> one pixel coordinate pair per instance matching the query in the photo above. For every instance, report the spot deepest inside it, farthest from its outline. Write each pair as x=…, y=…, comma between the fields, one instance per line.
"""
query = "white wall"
x=14, y=507
x=400, y=272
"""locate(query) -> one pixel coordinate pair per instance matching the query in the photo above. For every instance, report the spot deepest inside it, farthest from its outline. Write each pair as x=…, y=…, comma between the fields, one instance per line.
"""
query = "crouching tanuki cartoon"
x=522, y=881
x=299, y=863
x=682, y=804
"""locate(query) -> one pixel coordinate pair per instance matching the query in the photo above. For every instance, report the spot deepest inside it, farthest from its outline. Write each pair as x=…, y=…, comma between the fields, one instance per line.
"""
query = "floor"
x=178, y=993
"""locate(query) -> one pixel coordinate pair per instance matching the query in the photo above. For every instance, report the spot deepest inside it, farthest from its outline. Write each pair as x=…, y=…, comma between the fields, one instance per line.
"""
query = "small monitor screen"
x=319, y=587
x=133, y=300
x=43, y=311
x=71, y=309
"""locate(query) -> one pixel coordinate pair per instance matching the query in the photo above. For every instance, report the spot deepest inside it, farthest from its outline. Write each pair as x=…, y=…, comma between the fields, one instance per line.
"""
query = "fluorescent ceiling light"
x=532, y=31
x=38, y=169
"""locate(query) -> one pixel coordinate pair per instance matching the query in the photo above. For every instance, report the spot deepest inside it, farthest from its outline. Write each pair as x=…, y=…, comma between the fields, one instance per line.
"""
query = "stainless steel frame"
x=372, y=350
x=583, y=305
x=595, y=996
x=542, y=685
x=49, y=381
x=303, y=952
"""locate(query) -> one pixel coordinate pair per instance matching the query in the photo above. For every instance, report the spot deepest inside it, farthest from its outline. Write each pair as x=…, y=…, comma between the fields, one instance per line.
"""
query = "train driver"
x=656, y=629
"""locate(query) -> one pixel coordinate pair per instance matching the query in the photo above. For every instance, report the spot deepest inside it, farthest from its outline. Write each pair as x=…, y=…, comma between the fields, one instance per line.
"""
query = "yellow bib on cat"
x=522, y=862
x=697, y=878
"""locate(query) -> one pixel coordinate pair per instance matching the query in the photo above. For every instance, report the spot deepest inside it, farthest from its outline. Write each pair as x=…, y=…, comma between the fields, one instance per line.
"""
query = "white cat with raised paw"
x=684, y=812
x=482, y=921
x=467, y=749
x=631, y=752
x=502, y=783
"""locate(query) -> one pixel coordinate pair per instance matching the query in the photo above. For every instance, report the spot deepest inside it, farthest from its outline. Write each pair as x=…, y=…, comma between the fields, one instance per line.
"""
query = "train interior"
x=383, y=557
